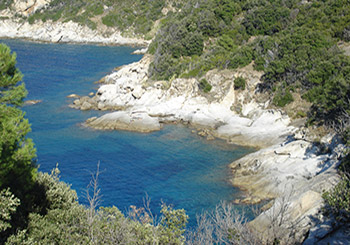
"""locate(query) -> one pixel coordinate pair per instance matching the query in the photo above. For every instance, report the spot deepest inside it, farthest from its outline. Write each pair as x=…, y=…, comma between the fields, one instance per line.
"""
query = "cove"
x=172, y=166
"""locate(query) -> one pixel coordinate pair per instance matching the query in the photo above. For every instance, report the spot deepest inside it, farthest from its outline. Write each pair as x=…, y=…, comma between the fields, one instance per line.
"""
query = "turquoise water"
x=172, y=165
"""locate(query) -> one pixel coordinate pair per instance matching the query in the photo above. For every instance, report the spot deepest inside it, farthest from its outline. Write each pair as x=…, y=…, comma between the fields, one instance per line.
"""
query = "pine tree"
x=17, y=168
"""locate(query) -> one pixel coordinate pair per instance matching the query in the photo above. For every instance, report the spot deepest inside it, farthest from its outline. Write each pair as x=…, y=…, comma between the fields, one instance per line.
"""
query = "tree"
x=16, y=151
x=17, y=168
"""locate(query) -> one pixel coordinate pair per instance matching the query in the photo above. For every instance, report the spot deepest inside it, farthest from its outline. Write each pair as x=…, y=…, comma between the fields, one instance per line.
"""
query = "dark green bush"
x=204, y=85
x=5, y=4
x=241, y=58
x=282, y=97
x=239, y=83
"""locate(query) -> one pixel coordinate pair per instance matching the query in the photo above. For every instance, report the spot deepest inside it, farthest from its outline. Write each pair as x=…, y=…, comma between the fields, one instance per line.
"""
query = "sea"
x=172, y=166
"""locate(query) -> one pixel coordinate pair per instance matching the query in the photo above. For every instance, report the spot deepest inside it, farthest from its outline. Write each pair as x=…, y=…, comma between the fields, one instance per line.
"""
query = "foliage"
x=16, y=151
x=65, y=221
x=204, y=85
x=8, y=205
x=4, y=4
x=172, y=225
x=266, y=19
x=62, y=218
x=294, y=44
x=138, y=16
x=338, y=199
x=239, y=83
x=17, y=168
x=282, y=97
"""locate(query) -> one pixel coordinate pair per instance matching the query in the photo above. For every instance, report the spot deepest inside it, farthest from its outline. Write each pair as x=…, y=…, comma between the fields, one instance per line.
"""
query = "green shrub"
x=300, y=114
x=192, y=73
x=5, y=4
x=241, y=58
x=239, y=83
x=227, y=43
x=111, y=20
x=204, y=85
x=282, y=97
x=338, y=199
x=173, y=224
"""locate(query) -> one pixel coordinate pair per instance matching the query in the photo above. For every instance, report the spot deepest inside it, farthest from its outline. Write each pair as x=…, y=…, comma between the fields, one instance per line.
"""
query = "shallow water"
x=172, y=165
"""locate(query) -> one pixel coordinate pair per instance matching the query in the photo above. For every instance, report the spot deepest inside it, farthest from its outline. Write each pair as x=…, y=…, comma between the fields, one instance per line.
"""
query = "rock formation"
x=27, y=7
x=289, y=169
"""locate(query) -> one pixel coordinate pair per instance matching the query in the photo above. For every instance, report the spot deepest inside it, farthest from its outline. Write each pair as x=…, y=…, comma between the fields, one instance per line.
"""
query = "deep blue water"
x=172, y=165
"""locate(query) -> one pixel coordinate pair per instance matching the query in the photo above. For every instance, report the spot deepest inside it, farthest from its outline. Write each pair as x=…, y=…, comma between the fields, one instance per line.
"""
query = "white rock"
x=121, y=120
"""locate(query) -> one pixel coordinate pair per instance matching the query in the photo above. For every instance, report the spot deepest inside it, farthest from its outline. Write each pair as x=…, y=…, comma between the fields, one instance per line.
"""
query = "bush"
x=205, y=86
x=338, y=199
x=282, y=97
x=241, y=58
x=239, y=83
x=5, y=4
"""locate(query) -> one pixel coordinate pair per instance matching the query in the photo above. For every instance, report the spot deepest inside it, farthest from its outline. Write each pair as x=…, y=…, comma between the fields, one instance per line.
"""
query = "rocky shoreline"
x=69, y=32
x=289, y=168
x=181, y=100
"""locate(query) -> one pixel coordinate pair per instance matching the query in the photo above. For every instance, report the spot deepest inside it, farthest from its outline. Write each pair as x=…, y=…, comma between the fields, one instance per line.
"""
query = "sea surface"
x=173, y=165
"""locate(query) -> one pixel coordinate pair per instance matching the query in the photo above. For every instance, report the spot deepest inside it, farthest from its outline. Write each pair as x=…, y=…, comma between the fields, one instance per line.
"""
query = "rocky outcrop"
x=294, y=174
x=181, y=100
x=68, y=32
x=120, y=120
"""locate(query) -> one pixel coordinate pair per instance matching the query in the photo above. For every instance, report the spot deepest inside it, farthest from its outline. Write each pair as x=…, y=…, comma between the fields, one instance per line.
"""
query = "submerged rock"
x=74, y=96
x=32, y=102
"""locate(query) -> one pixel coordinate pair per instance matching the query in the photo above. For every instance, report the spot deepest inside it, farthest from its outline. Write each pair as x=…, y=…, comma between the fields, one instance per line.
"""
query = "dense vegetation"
x=132, y=18
x=293, y=42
